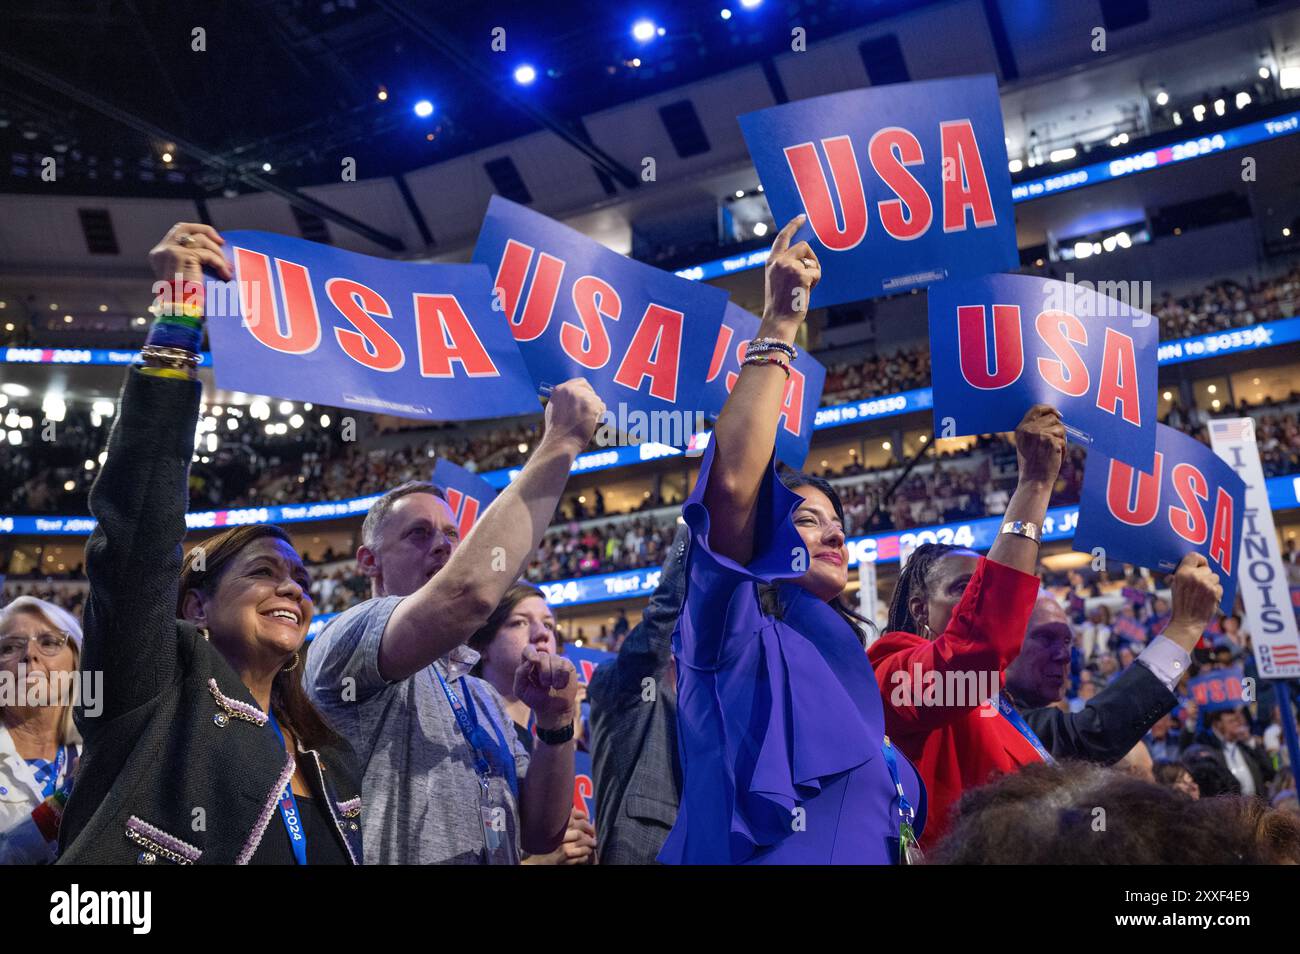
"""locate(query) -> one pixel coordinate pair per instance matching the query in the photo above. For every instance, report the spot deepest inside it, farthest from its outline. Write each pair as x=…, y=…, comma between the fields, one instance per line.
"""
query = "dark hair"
x=1167, y=772
x=484, y=635
x=768, y=594
x=289, y=701
x=912, y=582
x=1210, y=772
x=1044, y=814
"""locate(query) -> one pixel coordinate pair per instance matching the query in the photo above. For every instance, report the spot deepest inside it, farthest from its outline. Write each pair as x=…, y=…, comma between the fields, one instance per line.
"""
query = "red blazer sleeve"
x=983, y=635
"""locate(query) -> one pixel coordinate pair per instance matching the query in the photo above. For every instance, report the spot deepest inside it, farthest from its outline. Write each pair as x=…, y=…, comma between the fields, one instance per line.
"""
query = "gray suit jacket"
x=634, y=739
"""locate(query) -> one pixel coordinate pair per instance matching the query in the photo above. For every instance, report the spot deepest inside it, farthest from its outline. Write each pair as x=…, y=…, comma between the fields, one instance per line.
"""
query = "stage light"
x=90, y=465
x=15, y=438
x=885, y=445
x=740, y=193
x=1178, y=119
x=212, y=443
x=1015, y=165
x=750, y=4
x=1108, y=243
x=324, y=420
x=760, y=229
x=306, y=406
x=266, y=167
x=69, y=486
x=525, y=74
x=1162, y=98
x=1082, y=249
x=1213, y=388
x=382, y=95
x=1220, y=107
x=1169, y=396
x=296, y=421
x=1198, y=112
x=259, y=410
x=231, y=423
x=643, y=31
x=1289, y=78
x=1062, y=155
x=636, y=61
x=54, y=407
x=15, y=390
x=1243, y=99
x=424, y=109
x=270, y=430
x=67, y=319
x=103, y=408
x=286, y=407
x=1264, y=73
x=660, y=31
x=1123, y=239
x=1215, y=403
x=166, y=157
x=1119, y=140
x=726, y=14
x=1286, y=232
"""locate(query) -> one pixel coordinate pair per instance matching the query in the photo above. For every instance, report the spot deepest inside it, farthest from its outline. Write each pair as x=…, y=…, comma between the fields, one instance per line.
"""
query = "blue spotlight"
x=643, y=31
x=750, y=4
x=424, y=109
x=525, y=74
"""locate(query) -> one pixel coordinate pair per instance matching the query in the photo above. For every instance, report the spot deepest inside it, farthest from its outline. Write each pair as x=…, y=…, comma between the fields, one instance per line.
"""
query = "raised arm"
x=745, y=432
x=451, y=606
x=133, y=558
x=1040, y=448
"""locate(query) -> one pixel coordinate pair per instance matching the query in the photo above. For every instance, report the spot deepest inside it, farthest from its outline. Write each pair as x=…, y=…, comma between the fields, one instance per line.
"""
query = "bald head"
x=1037, y=676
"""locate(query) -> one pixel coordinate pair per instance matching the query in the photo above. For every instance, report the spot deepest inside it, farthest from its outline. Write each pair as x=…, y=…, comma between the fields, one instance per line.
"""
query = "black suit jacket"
x=634, y=740
x=1257, y=760
x=1110, y=724
x=178, y=764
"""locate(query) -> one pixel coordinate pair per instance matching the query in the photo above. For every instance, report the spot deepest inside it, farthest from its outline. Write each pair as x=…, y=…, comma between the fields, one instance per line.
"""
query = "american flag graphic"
x=1279, y=656
x=1234, y=430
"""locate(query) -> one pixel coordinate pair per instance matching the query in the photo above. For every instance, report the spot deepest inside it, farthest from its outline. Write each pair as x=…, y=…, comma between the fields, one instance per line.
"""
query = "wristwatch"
x=1023, y=528
x=555, y=736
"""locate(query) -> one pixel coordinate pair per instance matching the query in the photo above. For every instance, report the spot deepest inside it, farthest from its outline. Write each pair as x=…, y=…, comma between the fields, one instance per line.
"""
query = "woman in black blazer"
x=206, y=749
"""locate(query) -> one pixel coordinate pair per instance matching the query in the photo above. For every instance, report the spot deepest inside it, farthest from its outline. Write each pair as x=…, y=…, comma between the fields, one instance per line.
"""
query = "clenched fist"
x=792, y=273
x=1040, y=445
x=1196, y=591
x=185, y=249
x=547, y=684
x=572, y=414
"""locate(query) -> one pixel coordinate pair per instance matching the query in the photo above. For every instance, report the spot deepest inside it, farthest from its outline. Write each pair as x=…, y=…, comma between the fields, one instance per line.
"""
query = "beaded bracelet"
x=762, y=345
x=758, y=360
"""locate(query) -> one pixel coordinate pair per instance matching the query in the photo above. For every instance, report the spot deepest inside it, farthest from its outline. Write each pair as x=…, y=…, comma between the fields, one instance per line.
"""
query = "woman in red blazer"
x=955, y=623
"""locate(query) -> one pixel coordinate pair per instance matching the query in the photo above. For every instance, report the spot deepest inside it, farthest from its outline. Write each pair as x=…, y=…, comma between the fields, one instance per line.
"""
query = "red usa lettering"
x=1063, y=369
x=891, y=153
x=444, y=336
x=654, y=351
x=1136, y=501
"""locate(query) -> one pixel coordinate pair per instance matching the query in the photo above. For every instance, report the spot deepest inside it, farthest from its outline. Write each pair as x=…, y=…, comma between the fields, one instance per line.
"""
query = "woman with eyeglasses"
x=40, y=646
x=206, y=748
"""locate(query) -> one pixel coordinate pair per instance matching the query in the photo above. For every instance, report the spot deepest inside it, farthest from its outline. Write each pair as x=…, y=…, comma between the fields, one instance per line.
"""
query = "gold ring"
x=187, y=240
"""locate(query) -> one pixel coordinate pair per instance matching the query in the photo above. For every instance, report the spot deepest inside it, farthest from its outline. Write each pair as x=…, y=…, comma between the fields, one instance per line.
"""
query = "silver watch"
x=1023, y=528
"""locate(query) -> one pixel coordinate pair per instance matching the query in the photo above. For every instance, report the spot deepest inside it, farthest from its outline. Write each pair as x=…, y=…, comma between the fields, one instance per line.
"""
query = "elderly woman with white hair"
x=40, y=650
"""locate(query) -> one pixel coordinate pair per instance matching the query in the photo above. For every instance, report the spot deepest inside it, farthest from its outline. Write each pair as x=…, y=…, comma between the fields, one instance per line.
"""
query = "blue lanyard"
x=289, y=808
x=1018, y=722
x=476, y=736
x=905, y=810
x=50, y=784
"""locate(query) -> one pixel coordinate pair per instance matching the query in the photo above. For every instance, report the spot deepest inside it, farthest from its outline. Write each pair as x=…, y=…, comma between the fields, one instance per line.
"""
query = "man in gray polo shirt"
x=446, y=780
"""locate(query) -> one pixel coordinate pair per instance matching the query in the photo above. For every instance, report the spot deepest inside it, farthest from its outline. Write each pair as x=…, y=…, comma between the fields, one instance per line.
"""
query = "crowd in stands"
x=315, y=462
x=1229, y=304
